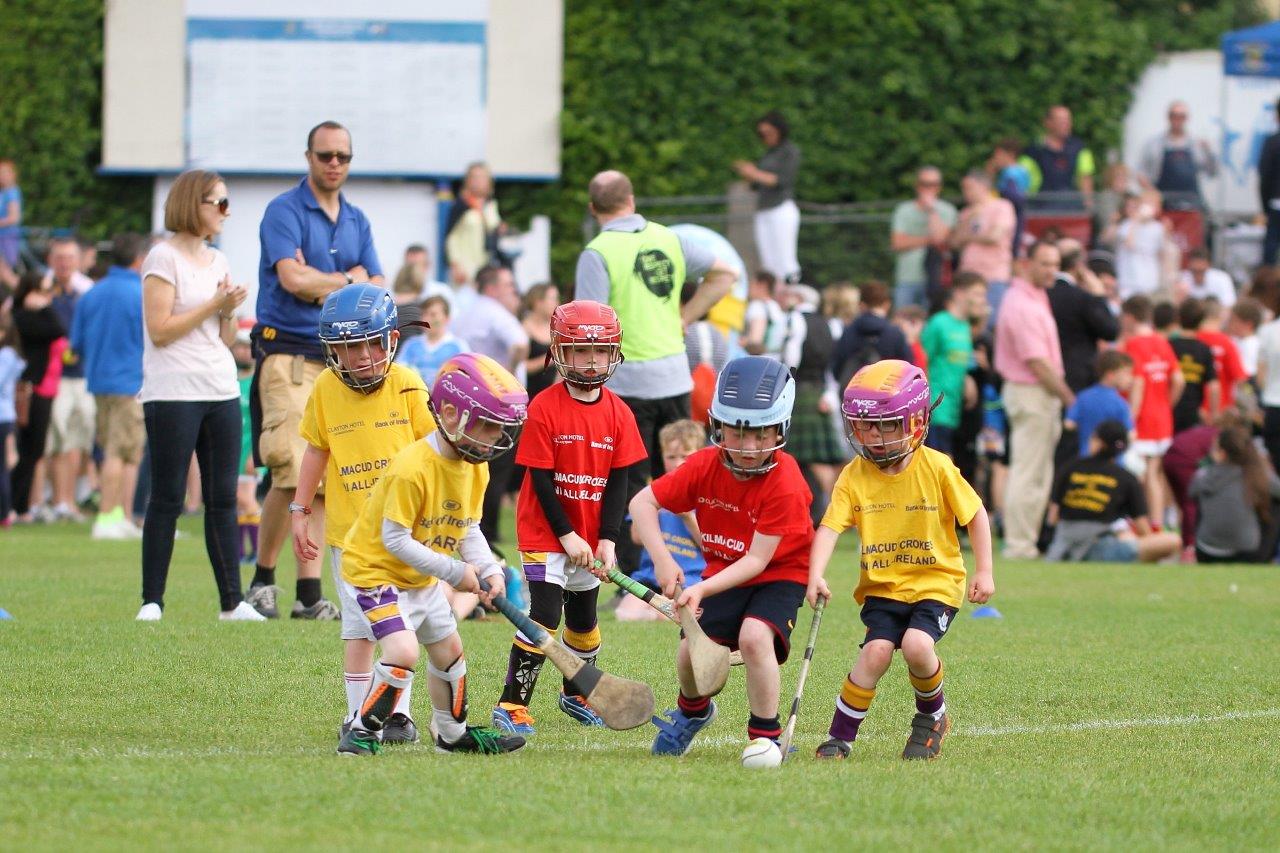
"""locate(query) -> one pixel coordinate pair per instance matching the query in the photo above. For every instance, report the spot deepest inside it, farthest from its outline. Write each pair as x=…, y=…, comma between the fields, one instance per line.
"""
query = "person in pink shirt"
x=984, y=235
x=1029, y=359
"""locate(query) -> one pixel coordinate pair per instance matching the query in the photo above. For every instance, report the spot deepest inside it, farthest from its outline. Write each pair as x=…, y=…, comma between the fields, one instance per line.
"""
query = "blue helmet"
x=353, y=315
x=752, y=392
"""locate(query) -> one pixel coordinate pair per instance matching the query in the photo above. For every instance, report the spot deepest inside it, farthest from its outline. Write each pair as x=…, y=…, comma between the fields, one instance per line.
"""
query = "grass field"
x=1111, y=707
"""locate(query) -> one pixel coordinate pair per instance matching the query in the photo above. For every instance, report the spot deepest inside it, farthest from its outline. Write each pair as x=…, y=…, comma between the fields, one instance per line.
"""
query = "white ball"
x=761, y=752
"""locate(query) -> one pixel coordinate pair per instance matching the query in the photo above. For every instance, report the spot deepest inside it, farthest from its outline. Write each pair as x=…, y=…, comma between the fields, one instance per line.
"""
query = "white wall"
x=1234, y=128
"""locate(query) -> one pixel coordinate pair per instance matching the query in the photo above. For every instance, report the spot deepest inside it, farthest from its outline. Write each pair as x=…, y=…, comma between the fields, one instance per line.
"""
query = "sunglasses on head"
x=329, y=156
x=223, y=204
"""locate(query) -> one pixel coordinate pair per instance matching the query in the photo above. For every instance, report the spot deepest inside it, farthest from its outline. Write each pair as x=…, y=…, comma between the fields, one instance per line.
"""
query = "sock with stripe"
x=585, y=645
x=694, y=708
x=357, y=684
x=851, y=709
x=929, y=692
x=523, y=666
x=764, y=727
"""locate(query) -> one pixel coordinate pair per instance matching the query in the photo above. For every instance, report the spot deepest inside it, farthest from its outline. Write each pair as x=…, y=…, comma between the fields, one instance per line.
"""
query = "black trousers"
x=176, y=429
x=6, y=494
x=31, y=440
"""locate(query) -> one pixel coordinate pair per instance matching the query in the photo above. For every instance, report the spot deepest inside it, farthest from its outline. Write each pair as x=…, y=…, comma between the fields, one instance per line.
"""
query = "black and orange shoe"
x=834, y=748
x=927, y=733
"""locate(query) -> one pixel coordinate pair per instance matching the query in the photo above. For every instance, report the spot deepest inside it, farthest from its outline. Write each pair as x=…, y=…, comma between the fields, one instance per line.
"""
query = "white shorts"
x=354, y=625
x=554, y=568
x=387, y=609
x=1151, y=447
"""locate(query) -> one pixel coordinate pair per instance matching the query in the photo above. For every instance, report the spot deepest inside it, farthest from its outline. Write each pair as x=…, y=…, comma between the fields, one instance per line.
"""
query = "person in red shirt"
x=579, y=441
x=1226, y=355
x=1157, y=385
x=752, y=507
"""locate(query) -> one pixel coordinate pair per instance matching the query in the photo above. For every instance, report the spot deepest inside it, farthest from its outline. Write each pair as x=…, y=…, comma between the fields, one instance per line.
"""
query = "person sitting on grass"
x=678, y=439
x=1235, y=497
x=1095, y=500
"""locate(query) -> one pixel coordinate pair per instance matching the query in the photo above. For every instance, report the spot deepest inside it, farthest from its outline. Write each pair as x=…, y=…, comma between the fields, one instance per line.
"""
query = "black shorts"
x=775, y=604
x=887, y=619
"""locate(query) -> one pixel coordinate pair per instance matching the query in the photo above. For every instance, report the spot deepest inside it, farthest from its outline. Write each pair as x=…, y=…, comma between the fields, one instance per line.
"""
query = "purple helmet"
x=886, y=410
x=491, y=404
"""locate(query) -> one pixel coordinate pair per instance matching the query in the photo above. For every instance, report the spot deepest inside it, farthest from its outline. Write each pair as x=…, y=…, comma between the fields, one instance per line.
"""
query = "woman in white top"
x=190, y=396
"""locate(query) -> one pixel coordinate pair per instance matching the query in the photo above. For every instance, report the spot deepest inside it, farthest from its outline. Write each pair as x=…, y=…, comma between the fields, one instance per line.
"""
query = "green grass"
x=1111, y=707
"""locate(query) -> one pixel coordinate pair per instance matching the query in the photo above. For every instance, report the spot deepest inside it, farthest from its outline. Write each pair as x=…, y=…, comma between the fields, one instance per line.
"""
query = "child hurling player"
x=905, y=501
x=752, y=507
x=362, y=411
x=425, y=508
x=578, y=443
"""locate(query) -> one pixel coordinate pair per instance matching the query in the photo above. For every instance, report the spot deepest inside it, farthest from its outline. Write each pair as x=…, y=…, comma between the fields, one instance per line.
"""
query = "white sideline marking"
x=611, y=745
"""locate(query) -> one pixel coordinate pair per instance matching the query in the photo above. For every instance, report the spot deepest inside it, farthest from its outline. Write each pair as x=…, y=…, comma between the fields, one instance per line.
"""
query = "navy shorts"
x=887, y=619
x=775, y=604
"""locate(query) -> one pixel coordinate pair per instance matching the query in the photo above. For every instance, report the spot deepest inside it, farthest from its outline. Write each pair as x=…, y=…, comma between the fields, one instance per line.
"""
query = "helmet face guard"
x=886, y=411
x=752, y=394
x=583, y=323
x=491, y=406
x=353, y=323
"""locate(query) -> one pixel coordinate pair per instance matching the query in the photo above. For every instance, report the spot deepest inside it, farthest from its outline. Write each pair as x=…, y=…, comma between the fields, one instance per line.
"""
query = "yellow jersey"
x=907, y=524
x=362, y=433
x=436, y=498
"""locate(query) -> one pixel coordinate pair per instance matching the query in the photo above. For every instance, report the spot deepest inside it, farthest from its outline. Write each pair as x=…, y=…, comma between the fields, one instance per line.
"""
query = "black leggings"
x=6, y=496
x=176, y=429
x=31, y=440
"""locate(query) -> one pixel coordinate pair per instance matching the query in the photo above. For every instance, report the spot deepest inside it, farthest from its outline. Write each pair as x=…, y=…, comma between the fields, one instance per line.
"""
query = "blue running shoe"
x=676, y=735
x=577, y=707
x=513, y=719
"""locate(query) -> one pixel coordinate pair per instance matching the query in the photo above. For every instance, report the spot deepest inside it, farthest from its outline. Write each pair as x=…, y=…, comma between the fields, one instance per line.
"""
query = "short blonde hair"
x=685, y=432
x=182, y=207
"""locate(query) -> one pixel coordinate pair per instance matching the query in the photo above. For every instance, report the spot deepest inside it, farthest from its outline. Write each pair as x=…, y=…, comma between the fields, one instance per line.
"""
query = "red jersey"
x=1153, y=363
x=580, y=443
x=731, y=511
x=1226, y=363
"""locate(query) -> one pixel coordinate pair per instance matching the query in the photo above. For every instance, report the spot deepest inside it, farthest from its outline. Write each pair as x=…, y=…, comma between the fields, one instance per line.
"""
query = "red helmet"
x=585, y=323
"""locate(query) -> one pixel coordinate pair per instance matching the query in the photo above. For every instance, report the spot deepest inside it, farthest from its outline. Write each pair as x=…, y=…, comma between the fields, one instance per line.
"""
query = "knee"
x=877, y=655
x=755, y=640
x=401, y=649
x=580, y=609
x=917, y=649
x=546, y=602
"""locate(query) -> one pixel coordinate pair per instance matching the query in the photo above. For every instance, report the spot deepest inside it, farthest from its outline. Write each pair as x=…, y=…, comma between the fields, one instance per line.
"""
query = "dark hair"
x=1265, y=288
x=875, y=294
x=1164, y=315
x=1111, y=360
x=1190, y=313
x=324, y=125
x=1200, y=253
x=766, y=278
x=1042, y=242
x=487, y=276
x=533, y=296
x=1011, y=145
x=1248, y=310
x=774, y=118
x=126, y=248
x=30, y=281
x=1114, y=438
x=966, y=279
x=1237, y=445
x=436, y=299
x=1099, y=264
x=1138, y=307
x=414, y=247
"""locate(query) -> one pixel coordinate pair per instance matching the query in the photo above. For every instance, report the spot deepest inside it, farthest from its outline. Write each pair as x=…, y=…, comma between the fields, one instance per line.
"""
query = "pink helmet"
x=485, y=395
x=886, y=410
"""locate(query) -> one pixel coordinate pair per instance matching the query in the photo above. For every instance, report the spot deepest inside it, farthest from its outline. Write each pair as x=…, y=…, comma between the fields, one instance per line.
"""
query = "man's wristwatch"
x=302, y=508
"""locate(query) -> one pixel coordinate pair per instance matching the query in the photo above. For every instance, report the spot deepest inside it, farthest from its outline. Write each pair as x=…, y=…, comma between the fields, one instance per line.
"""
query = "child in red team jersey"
x=1157, y=385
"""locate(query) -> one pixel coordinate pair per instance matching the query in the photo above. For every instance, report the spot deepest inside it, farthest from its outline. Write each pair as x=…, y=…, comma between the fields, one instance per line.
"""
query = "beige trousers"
x=1035, y=424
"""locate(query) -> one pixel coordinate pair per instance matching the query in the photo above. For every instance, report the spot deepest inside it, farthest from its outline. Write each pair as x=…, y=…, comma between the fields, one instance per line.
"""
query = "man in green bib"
x=639, y=268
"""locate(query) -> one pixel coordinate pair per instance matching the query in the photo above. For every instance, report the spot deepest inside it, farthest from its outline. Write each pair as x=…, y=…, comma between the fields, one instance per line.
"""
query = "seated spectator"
x=1181, y=461
x=1103, y=401
x=680, y=532
x=1201, y=281
x=425, y=353
x=1093, y=503
x=1235, y=498
x=870, y=337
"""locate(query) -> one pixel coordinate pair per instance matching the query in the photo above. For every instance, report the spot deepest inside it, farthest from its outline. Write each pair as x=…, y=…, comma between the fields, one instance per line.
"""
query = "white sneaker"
x=244, y=612
x=150, y=612
x=111, y=530
x=63, y=512
x=133, y=530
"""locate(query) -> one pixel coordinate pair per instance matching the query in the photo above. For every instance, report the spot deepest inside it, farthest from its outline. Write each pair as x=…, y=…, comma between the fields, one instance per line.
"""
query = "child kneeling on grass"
x=752, y=506
x=905, y=500
x=425, y=509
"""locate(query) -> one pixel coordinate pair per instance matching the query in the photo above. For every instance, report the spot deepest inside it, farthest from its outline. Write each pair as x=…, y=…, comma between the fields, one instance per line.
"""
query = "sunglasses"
x=927, y=184
x=329, y=156
x=223, y=204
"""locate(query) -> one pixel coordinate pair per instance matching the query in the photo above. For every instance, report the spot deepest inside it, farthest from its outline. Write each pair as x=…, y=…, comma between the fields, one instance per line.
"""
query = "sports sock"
x=357, y=684
x=450, y=720
x=402, y=704
x=308, y=591
x=764, y=727
x=698, y=707
x=263, y=576
x=523, y=666
x=585, y=645
x=929, y=692
x=389, y=681
x=851, y=709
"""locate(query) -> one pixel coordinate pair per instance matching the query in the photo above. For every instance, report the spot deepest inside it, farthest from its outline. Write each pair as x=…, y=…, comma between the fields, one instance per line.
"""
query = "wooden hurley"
x=658, y=602
x=708, y=659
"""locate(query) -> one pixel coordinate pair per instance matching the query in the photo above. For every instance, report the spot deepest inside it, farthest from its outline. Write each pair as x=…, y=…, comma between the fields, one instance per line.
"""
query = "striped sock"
x=585, y=645
x=929, y=692
x=357, y=688
x=851, y=709
x=764, y=727
x=698, y=707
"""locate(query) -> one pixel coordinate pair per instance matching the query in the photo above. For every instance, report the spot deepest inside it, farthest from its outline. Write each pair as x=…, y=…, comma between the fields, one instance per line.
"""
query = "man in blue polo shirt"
x=313, y=243
x=107, y=333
